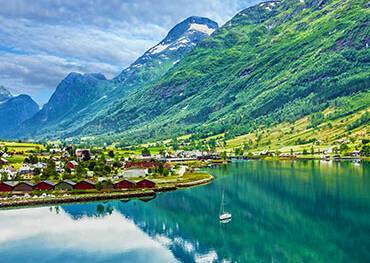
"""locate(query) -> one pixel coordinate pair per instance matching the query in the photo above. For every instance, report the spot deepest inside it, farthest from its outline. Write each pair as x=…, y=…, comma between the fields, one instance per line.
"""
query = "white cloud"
x=109, y=235
x=42, y=42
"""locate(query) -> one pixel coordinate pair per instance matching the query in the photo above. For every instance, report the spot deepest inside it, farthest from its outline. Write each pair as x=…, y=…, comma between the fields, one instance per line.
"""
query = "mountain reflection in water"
x=293, y=211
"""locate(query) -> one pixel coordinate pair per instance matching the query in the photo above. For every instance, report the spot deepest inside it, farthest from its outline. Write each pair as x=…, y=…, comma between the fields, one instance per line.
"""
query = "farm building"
x=65, y=185
x=85, y=185
x=6, y=186
x=72, y=165
x=124, y=184
x=23, y=187
x=44, y=186
x=142, y=165
x=145, y=183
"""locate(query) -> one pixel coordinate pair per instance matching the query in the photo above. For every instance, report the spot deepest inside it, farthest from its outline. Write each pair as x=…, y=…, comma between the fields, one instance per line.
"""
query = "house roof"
x=25, y=182
x=146, y=180
x=9, y=183
x=125, y=180
x=47, y=182
x=88, y=181
x=129, y=165
x=67, y=182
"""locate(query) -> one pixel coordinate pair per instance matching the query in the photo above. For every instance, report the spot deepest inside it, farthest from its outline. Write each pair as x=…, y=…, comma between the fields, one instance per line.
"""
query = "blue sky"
x=42, y=41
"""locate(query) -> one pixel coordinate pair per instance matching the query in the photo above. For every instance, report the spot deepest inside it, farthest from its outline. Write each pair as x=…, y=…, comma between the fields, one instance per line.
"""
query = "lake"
x=287, y=211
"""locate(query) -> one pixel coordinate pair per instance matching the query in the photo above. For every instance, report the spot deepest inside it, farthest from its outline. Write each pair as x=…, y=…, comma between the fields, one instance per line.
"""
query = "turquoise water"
x=291, y=211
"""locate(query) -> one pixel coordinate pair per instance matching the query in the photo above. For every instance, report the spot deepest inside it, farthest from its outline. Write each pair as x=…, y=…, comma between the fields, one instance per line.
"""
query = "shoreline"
x=269, y=158
x=101, y=196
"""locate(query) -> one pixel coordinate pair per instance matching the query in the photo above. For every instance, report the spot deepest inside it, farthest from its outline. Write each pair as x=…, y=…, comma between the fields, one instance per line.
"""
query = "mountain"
x=4, y=94
x=13, y=111
x=180, y=40
x=73, y=94
x=274, y=62
x=80, y=98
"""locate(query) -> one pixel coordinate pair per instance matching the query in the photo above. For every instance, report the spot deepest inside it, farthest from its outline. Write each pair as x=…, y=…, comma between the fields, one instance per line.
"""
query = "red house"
x=6, y=186
x=72, y=165
x=124, y=184
x=44, y=186
x=85, y=185
x=145, y=183
x=144, y=165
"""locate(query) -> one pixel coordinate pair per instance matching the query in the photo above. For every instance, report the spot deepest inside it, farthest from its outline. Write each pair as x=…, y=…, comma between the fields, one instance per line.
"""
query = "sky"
x=42, y=41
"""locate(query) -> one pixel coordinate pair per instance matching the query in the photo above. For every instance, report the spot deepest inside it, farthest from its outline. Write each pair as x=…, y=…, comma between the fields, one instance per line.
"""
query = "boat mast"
x=222, y=209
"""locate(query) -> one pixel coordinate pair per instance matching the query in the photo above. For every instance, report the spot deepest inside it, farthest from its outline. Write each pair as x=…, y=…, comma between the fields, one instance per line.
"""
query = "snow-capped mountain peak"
x=188, y=32
x=180, y=40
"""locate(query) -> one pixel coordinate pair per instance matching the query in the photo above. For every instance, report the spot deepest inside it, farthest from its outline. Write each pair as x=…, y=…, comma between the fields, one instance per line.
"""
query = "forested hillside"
x=275, y=62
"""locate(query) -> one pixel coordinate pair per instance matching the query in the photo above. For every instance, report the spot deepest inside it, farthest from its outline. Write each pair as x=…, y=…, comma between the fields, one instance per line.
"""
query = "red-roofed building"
x=145, y=165
x=124, y=184
x=85, y=185
x=44, y=186
x=6, y=186
x=145, y=183
x=72, y=165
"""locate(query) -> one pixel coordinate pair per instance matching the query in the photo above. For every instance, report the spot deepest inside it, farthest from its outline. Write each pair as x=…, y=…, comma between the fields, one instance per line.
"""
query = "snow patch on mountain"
x=158, y=48
x=202, y=28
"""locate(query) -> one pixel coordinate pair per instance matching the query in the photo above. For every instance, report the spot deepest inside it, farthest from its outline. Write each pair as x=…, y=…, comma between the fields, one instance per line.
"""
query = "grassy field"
x=285, y=136
x=21, y=146
x=19, y=151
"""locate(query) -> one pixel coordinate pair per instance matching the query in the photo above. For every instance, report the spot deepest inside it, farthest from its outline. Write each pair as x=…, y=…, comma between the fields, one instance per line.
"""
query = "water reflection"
x=282, y=212
x=50, y=232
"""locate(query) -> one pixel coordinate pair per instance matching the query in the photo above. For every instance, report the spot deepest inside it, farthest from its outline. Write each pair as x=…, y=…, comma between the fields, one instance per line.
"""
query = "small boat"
x=225, y=217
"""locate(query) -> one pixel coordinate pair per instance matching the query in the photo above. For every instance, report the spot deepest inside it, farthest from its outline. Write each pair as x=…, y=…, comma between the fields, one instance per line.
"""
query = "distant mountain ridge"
x=4, y=94
x=13, y=111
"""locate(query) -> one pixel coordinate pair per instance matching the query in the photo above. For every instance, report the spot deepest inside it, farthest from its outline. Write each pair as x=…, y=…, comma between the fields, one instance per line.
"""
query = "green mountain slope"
x=274, y=62
x=79, y=98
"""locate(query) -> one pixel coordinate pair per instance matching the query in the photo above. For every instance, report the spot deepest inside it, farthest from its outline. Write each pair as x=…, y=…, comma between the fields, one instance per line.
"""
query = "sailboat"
x=225, y=217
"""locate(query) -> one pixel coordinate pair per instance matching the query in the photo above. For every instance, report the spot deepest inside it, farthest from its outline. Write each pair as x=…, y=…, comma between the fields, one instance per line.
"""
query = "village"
x=46, y=171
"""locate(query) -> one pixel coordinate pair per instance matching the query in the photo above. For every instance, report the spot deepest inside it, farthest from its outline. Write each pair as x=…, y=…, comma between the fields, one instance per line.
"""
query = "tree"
x=80, y=171
x=145, y=152
x=91, y=166
x=37, y=171
x=312, y=150
x=343, y=148
x=239, y=152
x=111, y=154
x=50, y=170
x=365, y=150
x=316, y=119
x=107, y=169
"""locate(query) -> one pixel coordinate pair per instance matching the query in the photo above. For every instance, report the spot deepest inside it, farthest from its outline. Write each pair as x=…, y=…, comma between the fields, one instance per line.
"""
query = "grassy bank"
x=169, y=183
